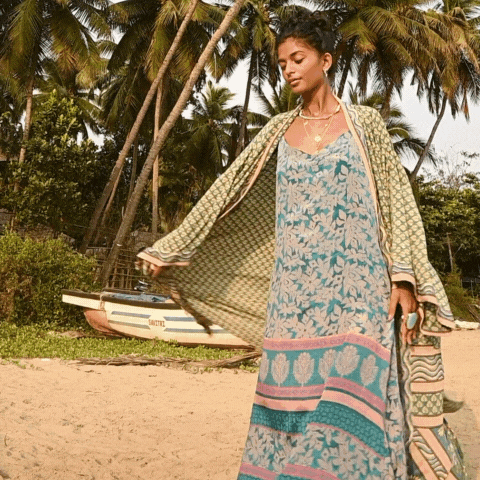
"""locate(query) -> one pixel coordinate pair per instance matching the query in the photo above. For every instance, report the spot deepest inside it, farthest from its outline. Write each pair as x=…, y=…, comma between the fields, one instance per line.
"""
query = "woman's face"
x=302, y=65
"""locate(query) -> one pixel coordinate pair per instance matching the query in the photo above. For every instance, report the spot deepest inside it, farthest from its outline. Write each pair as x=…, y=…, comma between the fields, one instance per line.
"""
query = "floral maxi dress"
x=327, y=403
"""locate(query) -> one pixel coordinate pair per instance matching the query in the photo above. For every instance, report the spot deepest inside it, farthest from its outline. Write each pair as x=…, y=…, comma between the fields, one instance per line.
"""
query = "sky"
x=452, y=137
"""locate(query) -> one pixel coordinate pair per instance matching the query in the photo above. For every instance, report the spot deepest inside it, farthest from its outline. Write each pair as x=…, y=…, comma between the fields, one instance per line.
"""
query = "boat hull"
x=147, y=316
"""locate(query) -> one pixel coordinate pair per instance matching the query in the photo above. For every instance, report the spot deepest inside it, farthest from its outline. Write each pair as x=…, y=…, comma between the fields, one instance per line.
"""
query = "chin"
x=299, y=89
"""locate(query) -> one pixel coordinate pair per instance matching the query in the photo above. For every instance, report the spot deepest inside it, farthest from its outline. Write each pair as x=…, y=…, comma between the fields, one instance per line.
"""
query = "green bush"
x=458, y=297
x=32, y=275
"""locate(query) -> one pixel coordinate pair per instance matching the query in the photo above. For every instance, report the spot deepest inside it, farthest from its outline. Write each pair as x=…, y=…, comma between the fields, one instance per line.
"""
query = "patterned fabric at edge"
x=327, y=403
x=228, y=241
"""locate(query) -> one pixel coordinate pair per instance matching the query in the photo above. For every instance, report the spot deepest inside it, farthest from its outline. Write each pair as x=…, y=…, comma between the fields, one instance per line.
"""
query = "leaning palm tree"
x=162, y=136
x=152, y=42
x=45, y=29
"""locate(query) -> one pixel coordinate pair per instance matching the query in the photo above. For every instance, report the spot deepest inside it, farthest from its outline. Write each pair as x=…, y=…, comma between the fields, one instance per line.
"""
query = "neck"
x=319, y=101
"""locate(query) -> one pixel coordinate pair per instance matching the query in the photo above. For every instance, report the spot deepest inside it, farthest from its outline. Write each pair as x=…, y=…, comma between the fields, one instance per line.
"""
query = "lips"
x=294, y=81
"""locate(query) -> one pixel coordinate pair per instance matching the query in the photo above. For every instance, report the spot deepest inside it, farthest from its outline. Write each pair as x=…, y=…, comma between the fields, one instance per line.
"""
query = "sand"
x=62, y=421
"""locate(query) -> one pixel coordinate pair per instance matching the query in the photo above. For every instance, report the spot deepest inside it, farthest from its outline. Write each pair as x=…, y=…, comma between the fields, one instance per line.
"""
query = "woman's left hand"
x=402, y=294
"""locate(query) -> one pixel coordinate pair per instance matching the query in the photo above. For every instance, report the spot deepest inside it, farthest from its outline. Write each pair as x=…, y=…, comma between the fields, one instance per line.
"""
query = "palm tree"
x=254, y=39
x=77, y=85
x=151, y=43
x=385, y=38
x=162, y=136
x=37, y=30
x=457, y=78
x=282, y=101
x=197, y=151
x=404, y=141
x=209, y=141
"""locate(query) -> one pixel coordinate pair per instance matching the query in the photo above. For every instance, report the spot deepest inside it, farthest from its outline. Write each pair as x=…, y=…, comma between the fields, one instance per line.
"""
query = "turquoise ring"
x=411, y=320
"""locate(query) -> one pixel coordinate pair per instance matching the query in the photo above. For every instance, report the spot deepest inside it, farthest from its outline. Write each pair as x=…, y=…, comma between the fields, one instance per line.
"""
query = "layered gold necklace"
x=318, y=138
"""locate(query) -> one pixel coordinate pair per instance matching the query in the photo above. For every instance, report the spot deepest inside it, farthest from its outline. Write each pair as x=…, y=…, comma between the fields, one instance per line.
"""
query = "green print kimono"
x=326, y=397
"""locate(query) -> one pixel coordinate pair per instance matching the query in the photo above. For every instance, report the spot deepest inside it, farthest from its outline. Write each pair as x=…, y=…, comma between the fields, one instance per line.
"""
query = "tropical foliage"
x=32, y=275
x=57, y=179
x=450, y=207
x=72, y=69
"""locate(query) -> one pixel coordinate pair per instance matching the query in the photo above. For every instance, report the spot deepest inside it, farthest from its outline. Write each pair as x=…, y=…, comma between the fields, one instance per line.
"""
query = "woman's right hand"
x=148, y=268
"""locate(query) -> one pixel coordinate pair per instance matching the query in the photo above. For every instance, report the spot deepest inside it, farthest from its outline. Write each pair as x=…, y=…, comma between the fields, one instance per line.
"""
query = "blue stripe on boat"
x=128, y=324
x=180, y=319
x=128, y=314
x=191, y=330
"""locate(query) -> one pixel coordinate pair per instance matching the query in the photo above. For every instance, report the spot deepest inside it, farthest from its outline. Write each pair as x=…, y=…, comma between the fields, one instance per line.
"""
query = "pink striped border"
x=272, y=390
x=422, y=463
x=318, y=390
x=259, y=472
x=326, y=342
x=437, y=447
x=357, y=405
x=427, y=422
x=287, y=405
x=308, y=472
x=359, y=390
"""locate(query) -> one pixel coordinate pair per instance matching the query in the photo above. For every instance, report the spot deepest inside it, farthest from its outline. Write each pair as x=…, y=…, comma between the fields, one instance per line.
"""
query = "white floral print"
x=326, y=363
x=303, y=368
x=264, y=364
x=347, y=360
x=368, y=370
x=280, y=368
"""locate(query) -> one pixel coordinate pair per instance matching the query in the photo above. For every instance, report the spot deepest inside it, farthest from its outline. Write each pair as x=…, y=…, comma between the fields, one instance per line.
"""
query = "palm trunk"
x=108, y=208
x=243, y=124
x=28, y=120
x=162, y=136
x=134, y=169
x=346, y=70
x=136, y=127
x=158, y=105
x=385, y=111
x=106, y=212
x=413, y=175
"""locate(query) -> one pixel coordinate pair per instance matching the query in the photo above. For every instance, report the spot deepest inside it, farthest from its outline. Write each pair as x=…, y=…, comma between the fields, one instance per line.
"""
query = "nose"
x=289, y=70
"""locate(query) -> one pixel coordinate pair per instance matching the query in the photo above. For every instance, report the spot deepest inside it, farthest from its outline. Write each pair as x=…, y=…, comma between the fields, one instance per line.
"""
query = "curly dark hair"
x=315, y=28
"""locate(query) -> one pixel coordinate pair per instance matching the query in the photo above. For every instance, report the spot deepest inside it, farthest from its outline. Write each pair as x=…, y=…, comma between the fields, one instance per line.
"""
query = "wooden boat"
x=149, y=316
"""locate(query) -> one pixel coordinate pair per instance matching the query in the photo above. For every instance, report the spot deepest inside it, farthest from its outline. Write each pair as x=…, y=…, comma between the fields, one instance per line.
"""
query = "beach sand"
x=62, y=421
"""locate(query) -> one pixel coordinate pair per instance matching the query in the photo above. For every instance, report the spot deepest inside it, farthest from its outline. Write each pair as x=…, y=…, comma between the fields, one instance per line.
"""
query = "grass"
x=34, y=342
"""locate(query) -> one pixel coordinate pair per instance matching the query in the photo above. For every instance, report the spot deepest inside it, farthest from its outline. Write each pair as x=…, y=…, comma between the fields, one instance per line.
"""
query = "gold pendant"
x=318, y=138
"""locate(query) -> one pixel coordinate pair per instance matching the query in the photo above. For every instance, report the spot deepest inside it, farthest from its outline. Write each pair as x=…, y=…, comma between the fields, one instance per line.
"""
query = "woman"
x=347, y=248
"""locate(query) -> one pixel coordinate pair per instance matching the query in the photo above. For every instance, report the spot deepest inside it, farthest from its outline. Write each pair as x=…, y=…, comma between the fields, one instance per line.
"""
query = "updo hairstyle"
x=315, y=28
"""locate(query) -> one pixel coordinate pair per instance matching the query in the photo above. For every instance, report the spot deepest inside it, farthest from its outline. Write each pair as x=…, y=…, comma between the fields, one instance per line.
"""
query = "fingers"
x=393, y=304
x=408, y=304
x=148, y=269
x=155, y=270
x=410, y=326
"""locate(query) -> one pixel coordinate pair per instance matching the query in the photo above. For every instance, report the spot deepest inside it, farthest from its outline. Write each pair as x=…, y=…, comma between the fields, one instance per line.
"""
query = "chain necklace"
x=306, y=117
x=319, y=137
